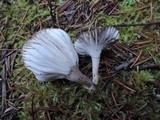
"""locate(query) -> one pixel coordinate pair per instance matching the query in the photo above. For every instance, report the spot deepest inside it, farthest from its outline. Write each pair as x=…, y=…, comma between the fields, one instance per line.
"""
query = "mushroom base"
x=77, y=76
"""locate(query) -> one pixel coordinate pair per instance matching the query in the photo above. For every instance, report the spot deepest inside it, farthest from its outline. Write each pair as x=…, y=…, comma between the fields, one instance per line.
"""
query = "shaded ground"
x=129, y=86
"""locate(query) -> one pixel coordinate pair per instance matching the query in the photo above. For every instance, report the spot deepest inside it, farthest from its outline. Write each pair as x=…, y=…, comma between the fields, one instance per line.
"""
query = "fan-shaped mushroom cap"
x=50, y=55
x=93, y=42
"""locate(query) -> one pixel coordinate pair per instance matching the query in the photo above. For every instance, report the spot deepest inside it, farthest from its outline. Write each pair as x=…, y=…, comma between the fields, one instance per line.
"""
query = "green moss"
x=67, y=100
x=142, y=77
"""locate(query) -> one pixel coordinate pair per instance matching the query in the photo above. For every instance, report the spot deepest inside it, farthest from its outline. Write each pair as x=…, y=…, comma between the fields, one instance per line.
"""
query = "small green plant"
x=142, y=77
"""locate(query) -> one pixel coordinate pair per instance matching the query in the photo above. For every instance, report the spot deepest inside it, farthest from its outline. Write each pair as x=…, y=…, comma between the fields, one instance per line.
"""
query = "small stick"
x=127, y=49
x=7, y=55
x=139, y=47
x=25, y=15
x=145, y=60
x=136, y=24
x=114, y=99
x=4, y=88
x=139, y=55
x=5, y=49
x=151, y=10
x=145, y=42
x=48, y=116
x=126, y=87
x=114, y=113
x=113, y=9
x=32, y=107
x=150, y=67
x=142, y=34
x=51, y=13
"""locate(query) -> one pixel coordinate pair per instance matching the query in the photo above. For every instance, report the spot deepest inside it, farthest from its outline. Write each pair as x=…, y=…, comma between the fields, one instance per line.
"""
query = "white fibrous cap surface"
x=93, y=42
x=50, y=54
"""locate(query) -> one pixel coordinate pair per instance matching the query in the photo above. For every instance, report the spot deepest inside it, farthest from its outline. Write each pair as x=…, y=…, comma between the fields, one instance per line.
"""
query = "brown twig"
x=7, y=55
x=151, y=11
x=53, y=16
x=139, y=47
x=139, y=55
x=33, y=112
x=125, y=86
x=145, y=60
x=25, y=15
x=142, y=34
x=144, y=42
x=113, y=97
x=4, y=78
x=113, y=9
x=114, y=113
x=126, y=48
x=150, y=67
x=136, y=24
x=48, y=117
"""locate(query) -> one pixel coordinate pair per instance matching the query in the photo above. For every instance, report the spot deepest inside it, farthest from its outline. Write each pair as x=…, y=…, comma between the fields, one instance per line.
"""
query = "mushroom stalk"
x=95, y=66
x=77, y=76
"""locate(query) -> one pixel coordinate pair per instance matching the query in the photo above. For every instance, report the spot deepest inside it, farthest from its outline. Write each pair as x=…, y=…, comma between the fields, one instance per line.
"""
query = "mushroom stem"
x=77, y=76
x=95, y=66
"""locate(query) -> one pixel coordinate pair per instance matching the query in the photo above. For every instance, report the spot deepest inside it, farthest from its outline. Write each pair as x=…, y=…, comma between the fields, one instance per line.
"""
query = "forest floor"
x=129, y=85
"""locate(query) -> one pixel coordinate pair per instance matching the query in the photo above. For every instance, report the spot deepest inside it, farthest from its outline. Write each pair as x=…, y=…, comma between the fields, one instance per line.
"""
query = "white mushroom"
x=50, y=55
x=92, y=43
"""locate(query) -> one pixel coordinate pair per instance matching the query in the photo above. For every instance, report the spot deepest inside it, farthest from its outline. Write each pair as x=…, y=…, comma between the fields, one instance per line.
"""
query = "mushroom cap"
x=93, y=42
x=50, y=54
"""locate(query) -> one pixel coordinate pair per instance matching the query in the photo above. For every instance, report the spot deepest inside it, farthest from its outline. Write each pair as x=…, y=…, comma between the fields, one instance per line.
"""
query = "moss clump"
x=142, y=77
